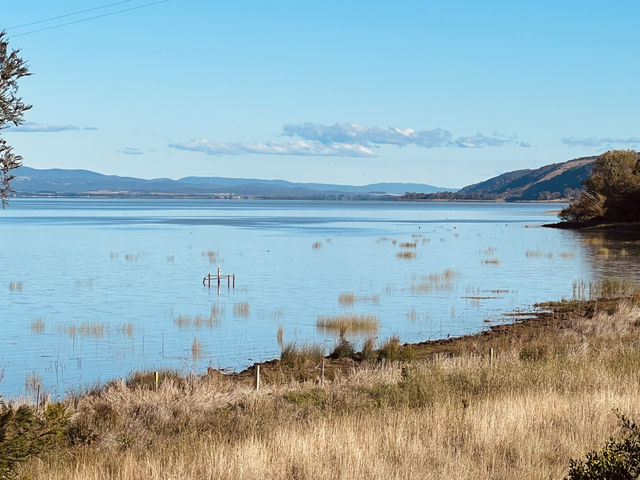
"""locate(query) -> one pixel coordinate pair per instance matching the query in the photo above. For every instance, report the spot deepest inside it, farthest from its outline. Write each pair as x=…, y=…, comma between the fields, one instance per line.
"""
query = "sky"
x=446, y=93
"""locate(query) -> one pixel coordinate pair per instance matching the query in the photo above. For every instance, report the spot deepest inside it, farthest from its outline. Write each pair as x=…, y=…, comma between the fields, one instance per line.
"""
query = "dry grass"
x=241, y=309
x=348, y=299
x=567, y=255
x=533, y=253
x=492, y=261
x=32, y=382
x=349, y=323
x=280, y=337
x=37, y=326
x=407, y=254
x=435, y=282
x=126, y=329
x=199, y=321
x=212, y=255
x=544, y=400
x=408, y=245
x=86, y=329
x=196, y=350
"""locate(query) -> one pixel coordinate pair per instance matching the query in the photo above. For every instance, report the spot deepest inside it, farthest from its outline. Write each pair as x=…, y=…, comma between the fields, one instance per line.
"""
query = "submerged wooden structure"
x=231, y=279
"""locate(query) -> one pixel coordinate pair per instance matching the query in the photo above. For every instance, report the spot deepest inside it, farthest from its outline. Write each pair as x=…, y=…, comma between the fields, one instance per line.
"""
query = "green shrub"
x=25, y=433
x=619, y=459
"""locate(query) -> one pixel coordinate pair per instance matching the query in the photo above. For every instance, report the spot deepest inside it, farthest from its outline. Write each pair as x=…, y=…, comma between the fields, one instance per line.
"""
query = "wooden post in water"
x=155, y=388
x=257, y=377
x=218, y=276
x=234, y=280
x=322, y=374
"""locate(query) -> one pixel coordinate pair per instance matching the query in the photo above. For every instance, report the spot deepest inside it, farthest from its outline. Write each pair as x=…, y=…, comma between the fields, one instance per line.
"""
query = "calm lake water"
x=92, y=290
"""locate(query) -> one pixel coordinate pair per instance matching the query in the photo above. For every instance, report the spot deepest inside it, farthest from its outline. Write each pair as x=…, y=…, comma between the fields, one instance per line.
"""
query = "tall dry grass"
x=539, y=404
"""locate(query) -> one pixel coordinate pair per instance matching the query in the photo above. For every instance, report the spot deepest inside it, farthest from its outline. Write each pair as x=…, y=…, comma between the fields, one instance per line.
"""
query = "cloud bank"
x=32, y=127
x=600, y=142
x=313, y=149
x=347, y=140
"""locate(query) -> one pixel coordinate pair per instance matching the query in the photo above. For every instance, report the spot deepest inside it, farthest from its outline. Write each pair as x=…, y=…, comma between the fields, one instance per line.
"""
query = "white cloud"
x=377, y=136
x=346, y=140
x=269, y=148
x=600, y=142
x=32, y=127
x=131, y=151
x=360, y=134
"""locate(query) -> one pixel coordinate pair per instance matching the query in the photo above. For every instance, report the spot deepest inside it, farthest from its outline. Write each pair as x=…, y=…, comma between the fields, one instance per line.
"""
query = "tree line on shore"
x=611, y=193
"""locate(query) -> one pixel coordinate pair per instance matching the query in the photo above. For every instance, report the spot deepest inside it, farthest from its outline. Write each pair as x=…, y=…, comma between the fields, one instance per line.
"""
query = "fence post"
x=257, y=377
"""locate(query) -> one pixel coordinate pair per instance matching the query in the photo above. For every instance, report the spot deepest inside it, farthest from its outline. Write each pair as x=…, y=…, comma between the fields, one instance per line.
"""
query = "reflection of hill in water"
x=612, y=254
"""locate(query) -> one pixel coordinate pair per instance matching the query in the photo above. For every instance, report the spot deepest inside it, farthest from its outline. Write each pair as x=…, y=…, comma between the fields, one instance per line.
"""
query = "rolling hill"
x=60, y=182
x=558, y=181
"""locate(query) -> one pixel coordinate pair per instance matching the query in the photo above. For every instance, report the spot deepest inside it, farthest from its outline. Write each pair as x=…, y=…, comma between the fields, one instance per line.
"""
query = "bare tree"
x=12, y=108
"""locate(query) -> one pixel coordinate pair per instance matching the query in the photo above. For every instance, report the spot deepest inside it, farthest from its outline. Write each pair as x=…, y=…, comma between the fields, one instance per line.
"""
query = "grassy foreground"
x=548, y=397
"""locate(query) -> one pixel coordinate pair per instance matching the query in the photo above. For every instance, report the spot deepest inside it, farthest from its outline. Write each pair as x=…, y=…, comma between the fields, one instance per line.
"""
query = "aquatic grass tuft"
x=15, y=286
x=37, y=326
x=241, y=309
x=196, y=349
x=316, y=245
x=407, y=254
x=349, y=323
x=435, y=282
x=347, y=298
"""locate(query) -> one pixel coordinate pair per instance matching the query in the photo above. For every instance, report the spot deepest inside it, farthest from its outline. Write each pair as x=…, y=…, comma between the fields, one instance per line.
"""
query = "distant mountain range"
x=59, y=182
x=558, y=181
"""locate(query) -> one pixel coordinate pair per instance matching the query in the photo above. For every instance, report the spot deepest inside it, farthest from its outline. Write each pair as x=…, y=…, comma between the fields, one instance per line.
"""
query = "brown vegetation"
x=442, y=410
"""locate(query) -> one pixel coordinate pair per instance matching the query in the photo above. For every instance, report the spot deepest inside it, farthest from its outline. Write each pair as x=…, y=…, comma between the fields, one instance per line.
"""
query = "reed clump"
x=86, y=329
x=348, y=299
x=15, y=286
x=293, y=355
x=212, y=256
x=37, y=326
x=435, y=282
x=407, y=254
x=316, y=245
x=241, y=309
x=348, y=323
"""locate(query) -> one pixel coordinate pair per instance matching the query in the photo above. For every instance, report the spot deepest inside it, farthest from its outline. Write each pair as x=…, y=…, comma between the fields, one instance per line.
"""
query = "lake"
x=95, y=289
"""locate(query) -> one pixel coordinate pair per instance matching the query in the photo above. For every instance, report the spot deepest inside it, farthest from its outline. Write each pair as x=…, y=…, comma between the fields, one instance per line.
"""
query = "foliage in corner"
x=619, y=459
x=12, y=108
x=25, y=433
x=612, y=192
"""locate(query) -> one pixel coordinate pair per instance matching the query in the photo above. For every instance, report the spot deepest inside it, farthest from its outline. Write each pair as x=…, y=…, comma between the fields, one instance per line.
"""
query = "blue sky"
x=446, y=93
